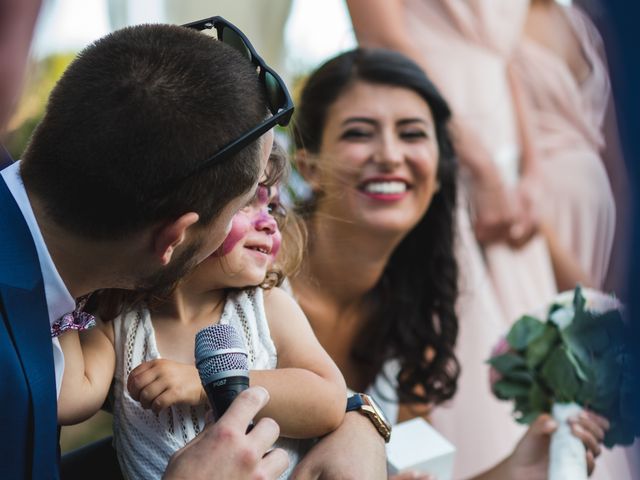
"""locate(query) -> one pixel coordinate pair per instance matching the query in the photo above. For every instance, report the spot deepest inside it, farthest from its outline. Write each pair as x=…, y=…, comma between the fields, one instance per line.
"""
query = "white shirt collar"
x=59, y=300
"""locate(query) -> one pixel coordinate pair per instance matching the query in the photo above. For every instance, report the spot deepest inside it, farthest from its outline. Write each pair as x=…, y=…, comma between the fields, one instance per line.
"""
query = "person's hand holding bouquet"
x=573, y=359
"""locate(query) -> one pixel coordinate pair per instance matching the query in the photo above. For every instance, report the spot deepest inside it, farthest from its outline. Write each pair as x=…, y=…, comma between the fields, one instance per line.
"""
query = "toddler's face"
x=252, y=244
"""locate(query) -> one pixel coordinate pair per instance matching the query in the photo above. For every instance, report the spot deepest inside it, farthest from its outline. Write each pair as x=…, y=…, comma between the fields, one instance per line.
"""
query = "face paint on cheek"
x=239, y=228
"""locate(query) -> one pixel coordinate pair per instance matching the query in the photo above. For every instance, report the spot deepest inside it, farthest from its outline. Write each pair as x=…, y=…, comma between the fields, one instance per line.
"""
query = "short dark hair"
x=137, y=108
x=412, y=308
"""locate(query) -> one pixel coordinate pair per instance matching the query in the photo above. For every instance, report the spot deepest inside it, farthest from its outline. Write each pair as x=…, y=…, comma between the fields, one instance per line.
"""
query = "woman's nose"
x=389, y=152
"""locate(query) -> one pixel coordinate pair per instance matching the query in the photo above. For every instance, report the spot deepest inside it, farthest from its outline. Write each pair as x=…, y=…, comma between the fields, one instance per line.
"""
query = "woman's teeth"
x=387, y=188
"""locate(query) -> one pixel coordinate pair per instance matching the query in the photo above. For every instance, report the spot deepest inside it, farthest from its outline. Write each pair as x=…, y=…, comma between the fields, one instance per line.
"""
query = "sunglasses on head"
x=278, y=98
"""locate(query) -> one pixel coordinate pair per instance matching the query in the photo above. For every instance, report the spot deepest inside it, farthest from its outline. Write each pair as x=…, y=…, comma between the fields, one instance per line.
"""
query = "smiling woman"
x=372, y=142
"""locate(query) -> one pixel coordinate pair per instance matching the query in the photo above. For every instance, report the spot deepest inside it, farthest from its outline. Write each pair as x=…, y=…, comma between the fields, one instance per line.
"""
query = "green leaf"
x=539, y=400
x=580, y=371
x=528, y=418
x=608, y=377
x=618, y=434
x=524, y=331
x=519, y=376
x=506, y=389
x=558, y=373
x=540, y=347
x=507, y=362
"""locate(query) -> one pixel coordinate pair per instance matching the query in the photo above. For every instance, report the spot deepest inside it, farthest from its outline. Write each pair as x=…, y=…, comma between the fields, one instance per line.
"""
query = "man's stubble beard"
x=164, y=281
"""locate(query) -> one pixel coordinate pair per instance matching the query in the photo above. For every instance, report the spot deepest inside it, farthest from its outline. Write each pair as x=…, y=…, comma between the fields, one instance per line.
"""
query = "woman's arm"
x=89, y=364
x=307, y=390
x=529, y=187
x=380, y=23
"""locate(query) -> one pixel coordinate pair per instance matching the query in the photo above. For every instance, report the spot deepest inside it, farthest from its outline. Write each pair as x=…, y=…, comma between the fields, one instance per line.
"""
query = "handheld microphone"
x=221, y=360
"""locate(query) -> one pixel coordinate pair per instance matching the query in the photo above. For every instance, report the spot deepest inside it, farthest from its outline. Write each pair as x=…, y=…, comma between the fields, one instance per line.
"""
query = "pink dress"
x=467, y=47
x=568, y=121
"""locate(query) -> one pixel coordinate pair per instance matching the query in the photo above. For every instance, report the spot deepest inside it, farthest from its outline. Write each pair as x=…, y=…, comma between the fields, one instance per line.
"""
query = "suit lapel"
x=27, y=319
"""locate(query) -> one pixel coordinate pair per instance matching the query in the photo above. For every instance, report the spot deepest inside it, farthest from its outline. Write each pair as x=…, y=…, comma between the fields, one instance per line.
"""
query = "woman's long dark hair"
x=412, y=307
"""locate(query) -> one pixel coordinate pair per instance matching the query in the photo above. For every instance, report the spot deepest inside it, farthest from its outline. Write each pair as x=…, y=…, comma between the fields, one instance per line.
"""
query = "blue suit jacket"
x=28, y=419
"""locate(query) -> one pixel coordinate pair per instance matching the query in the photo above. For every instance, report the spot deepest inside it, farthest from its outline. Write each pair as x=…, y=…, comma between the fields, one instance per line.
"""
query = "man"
x=131, y=230
x=116, y=189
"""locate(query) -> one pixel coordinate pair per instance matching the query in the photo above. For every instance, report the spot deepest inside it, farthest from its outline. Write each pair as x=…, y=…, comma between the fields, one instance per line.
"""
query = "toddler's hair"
x=291, y=225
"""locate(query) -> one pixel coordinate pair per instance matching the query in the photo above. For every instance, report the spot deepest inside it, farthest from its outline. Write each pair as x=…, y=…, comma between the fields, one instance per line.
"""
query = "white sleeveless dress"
x=144, y=441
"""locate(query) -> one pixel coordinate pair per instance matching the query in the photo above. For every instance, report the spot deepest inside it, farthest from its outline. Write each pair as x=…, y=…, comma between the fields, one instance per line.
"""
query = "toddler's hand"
x=160, y=383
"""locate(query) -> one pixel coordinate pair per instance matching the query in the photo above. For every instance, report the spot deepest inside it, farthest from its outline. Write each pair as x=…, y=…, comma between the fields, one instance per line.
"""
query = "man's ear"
x=307, y=164
x=172, y=234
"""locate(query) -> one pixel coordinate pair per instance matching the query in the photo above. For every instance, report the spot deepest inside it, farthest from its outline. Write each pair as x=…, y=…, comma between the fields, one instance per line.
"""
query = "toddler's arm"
x=308, y=393
x=89, y=365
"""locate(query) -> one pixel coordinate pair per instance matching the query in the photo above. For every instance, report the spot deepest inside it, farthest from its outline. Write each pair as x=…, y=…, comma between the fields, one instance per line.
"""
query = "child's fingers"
x=164, y=400
x=136, y=382
x=149, y=393
x=143, y=367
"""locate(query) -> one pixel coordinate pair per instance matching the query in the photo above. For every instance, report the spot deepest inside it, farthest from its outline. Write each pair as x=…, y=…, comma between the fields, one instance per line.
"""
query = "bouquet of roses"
x=573, y=358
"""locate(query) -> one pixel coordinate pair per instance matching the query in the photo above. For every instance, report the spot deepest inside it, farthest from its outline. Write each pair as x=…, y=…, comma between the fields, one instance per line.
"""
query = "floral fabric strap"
x=76, y=320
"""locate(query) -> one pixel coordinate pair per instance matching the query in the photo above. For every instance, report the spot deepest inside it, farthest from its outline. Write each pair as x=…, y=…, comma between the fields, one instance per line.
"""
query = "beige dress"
x=467, y=47
x=568, y=122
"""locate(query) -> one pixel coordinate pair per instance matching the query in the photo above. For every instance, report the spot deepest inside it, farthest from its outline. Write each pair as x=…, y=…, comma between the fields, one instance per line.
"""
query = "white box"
x=416, y=445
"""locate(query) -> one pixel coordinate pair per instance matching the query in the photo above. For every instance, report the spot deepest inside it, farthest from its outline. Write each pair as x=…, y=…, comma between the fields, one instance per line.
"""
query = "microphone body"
x=221, y=360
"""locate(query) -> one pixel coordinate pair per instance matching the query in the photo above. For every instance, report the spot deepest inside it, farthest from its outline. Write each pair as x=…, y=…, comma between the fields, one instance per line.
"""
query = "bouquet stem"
x=567, y=455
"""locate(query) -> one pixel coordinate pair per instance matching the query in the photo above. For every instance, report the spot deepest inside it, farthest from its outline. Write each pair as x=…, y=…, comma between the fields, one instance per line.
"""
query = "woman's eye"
x=413, y=134
x=356, y=134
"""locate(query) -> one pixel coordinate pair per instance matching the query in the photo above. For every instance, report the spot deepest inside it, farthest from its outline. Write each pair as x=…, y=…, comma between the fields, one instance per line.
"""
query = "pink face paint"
x=262, y=195
x=265, y=222
x=239, y=228
x=259, y=220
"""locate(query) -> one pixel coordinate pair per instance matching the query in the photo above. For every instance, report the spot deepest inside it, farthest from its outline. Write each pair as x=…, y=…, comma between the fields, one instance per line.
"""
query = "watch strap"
x=354, y=402
x=358, y=402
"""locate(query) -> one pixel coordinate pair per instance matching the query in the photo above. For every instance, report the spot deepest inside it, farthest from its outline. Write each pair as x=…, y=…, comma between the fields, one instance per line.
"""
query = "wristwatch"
x=368, y=407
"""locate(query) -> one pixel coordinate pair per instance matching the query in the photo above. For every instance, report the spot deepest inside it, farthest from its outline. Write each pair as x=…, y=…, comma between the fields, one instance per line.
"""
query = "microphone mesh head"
x=211, y=358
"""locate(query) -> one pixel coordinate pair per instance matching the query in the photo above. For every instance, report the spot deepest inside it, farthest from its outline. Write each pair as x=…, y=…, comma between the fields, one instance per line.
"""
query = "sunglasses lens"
x=231, y=38
x=275, y=95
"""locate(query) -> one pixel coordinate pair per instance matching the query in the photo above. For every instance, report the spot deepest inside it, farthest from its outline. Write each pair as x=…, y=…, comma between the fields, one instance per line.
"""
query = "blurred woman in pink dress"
x=468, y=49
x=560, y=62
x=561, y=65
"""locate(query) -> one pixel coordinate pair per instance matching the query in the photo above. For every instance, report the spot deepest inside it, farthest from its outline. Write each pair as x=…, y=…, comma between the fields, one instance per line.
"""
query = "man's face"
x=17, y=21
x=163, y=281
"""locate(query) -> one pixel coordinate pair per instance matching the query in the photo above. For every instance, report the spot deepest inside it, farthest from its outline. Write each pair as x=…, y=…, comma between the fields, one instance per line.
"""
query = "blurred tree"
x=42, y=78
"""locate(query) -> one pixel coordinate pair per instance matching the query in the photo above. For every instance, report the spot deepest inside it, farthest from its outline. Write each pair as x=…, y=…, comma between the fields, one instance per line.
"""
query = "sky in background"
x=316, y=30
